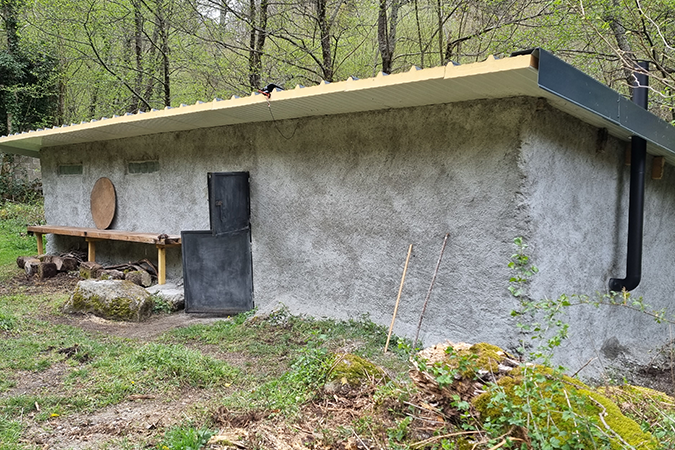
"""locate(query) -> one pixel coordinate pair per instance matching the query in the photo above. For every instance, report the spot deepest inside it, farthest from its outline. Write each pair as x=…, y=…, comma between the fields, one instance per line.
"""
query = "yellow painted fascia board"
x=492, y=65
x=324, y=98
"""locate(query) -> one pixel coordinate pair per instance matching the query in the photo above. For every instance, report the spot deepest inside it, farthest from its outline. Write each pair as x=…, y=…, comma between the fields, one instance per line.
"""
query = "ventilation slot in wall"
x=143, y=166
x=70, y=169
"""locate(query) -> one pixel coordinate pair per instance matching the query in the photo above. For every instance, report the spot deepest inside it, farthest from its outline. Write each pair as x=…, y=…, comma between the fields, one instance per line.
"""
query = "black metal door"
x=217, y=263
x=228, y=201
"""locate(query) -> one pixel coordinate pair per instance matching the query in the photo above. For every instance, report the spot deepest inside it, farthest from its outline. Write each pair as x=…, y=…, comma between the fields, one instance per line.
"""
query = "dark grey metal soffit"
x=625, y=118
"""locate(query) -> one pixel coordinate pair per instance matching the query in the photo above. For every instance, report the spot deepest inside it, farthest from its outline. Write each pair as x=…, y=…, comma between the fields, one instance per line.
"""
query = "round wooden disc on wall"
x=103, y=203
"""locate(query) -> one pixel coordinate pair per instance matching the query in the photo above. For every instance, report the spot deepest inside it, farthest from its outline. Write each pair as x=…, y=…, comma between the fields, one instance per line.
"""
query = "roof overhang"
x=539, y=74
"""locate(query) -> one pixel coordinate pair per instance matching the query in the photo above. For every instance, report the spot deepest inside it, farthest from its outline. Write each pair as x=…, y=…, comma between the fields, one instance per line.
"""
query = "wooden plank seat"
x=91, y=235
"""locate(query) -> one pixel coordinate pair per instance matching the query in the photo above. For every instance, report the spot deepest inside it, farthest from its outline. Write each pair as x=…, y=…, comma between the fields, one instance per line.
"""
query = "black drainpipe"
x=638, y=157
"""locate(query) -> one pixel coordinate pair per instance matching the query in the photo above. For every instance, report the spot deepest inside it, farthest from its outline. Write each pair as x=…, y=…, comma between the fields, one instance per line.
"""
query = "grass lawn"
x=14, y=241
x=247, y=382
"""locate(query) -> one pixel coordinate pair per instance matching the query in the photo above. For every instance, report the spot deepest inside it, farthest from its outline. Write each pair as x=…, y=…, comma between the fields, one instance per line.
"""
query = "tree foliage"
x=27, y=78
x=93, y=58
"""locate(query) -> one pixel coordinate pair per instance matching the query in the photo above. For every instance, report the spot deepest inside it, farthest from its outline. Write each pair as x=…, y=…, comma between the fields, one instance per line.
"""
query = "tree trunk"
x=258, y=35
x=625, y=52
x=138, y=53
x=11, y=21
x=222, y=14
x=164, y=49
x=325, y=34
x=11, y=25
x=386, y=33
x=419, y=33
x=439, y=18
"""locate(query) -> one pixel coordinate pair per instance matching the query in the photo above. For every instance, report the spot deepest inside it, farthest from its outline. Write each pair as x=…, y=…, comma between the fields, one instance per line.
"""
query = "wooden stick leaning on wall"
x=433, y=280
x=398, y=298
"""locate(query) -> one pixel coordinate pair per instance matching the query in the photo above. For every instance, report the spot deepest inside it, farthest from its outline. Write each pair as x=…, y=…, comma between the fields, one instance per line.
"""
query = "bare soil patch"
x=147, y=330
x=140, y=419
x=64, y=284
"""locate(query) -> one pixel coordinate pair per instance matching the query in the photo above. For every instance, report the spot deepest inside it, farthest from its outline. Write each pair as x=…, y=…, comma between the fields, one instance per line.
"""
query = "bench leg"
x=161, y=264
x=91, y=250
x=40, y=245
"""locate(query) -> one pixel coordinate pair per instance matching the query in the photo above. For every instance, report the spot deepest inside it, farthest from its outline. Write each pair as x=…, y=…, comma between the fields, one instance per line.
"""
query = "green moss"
x=638, y=395
x=479, y=357
x=626, y=428
x=120, y=309
x=353, y=370
x=560, y=408
x=642, y=404
x=487, y=356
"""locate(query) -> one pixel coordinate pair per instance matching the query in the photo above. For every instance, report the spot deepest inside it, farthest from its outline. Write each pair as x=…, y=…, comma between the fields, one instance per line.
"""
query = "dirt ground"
x=143, y=419
x=136, y=419
x=64, y=283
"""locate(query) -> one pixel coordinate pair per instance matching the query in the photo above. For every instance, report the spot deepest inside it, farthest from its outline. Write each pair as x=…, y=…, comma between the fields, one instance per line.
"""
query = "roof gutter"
x=638, y=157
x=571, y=85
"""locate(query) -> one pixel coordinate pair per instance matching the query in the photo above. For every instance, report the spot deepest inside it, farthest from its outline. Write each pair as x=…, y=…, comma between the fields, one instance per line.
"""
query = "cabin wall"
x=577, y=190
x=335, y=202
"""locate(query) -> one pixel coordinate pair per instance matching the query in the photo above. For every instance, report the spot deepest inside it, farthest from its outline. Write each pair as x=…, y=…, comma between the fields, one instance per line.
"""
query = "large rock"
x=171, y=293
x=111, y=299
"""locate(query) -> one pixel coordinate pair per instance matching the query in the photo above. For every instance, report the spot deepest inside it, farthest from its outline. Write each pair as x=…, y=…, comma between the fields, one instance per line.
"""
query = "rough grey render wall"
x=335, y=208
x=577, y=196
x=347, y=201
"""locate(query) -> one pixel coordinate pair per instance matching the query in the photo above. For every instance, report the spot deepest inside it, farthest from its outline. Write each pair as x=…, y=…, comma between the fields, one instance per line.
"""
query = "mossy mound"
x=545, y=406
x=641, y=403
x=351, y=374
x=450, y=370
x=354, y=370
x=466, y=360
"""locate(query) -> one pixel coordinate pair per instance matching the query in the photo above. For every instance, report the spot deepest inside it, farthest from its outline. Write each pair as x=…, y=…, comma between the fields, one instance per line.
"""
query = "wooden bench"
x=91, y=235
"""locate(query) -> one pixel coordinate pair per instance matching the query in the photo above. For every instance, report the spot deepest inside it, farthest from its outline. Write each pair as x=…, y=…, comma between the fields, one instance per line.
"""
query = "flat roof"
x=539, y=74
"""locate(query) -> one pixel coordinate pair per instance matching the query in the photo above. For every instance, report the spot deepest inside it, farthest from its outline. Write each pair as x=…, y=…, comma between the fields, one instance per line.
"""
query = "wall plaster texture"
x=577, y=198
x=334, y=208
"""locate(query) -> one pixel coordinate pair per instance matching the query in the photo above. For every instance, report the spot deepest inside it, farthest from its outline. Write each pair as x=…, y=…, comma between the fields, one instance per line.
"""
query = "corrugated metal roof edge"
x=571, y=90
x=29, y=143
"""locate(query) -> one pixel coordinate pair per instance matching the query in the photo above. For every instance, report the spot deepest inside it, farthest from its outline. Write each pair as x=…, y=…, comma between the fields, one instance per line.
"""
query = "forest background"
x=66, y=61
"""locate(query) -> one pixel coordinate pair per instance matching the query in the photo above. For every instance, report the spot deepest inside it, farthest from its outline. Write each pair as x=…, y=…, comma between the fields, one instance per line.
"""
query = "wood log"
x=112, y=274
x=63, y=263
x=47, y=270
x=21, y=261
x=68, y=264
x=31, y=266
